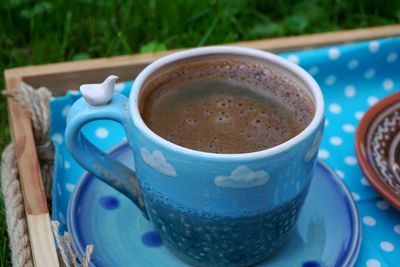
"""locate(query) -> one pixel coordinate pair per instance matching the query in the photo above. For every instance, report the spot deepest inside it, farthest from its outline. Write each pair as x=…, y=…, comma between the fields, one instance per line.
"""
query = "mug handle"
x=91, y=158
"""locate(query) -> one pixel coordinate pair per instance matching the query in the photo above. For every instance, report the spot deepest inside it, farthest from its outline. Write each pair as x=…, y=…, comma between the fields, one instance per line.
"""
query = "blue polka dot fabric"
x=353, y=77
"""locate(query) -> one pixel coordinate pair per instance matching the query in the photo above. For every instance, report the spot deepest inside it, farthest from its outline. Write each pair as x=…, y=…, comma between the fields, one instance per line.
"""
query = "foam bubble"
x=257, y=122
x=221, y=105
x=222, y=118
x=192, y=122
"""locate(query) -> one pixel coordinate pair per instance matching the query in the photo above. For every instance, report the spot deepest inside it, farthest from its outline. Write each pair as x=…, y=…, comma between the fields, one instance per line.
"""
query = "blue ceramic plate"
x=327, y=233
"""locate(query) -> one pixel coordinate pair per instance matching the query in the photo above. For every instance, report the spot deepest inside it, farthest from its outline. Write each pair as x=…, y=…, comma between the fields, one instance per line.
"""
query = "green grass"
x=35, y=32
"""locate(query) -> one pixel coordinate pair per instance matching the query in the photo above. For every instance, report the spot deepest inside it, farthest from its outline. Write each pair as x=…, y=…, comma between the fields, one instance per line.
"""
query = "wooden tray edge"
x=69, y=75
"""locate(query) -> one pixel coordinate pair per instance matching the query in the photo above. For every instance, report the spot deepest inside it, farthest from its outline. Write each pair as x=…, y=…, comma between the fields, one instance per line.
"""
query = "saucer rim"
x=355, y=223
x=354, y=248
x=361, y=152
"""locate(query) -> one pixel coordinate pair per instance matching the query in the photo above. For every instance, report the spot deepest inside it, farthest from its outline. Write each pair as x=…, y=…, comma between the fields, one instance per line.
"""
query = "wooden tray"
x=60, y=77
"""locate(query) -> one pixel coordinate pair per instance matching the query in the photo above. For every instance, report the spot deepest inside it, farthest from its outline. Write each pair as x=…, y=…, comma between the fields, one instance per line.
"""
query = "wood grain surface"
x=37, y=213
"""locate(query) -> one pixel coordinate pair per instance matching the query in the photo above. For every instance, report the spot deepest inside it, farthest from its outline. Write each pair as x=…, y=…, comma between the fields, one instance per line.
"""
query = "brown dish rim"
x=360, y=142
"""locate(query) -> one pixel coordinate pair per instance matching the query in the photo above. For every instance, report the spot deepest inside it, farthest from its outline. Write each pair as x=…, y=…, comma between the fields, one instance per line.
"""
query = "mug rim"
x=300, y=73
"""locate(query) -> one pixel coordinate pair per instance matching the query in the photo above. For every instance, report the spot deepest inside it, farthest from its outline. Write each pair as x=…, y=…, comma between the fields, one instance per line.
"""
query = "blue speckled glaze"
x=213, y=239
x=210, y=209
x=127, y=239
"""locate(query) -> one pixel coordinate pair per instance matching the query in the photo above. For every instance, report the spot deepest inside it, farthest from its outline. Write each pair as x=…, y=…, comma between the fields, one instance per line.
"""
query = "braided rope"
x=36, y=103
x=15, y=211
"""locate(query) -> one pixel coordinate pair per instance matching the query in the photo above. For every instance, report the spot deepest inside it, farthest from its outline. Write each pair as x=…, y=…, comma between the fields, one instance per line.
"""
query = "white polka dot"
x=388, y=84
x=359, y=115
x=392, y=57
x=57, y=138
x=61, y=217
x=323, y=154
x=369, y=74
x=59, y=189
x=348, y=128
x=334, y=53
x=330, y=80
x=349, y=160
x=313, y=70
x=65, y=110
x=102, y=132
x=74, y=92
x=336, y=141
x=349, y=91
x=326, y=122
x=396, y=228
x=373, y=46
x=387, y=246
x=119, y=87
x=294, y=59
x=372, y=100
x=373, y=263
x=356, y=196
x=353, y=64
x=67, y=165
x=381, y=204
x=368, y=220
x=340, y=173
x=364, y=181
x=335, y=108
x=70, y=187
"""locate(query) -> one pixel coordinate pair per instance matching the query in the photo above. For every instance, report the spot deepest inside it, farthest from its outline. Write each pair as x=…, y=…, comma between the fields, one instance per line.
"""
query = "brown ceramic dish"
x=378, y=148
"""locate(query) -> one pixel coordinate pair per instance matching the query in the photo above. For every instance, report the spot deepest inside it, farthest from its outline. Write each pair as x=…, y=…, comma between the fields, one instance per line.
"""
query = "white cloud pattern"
x=242, y=177
x=158, y=161
x=314, y=149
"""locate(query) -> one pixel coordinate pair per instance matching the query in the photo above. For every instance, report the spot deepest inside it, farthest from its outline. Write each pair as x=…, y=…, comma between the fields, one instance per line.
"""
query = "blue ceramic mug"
x=210, y=209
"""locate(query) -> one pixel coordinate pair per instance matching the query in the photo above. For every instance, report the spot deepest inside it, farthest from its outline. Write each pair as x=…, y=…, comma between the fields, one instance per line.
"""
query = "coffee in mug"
x=225, y=107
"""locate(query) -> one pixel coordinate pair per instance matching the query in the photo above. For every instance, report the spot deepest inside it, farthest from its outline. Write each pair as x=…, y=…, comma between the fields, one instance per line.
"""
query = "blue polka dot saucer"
x=327, y=233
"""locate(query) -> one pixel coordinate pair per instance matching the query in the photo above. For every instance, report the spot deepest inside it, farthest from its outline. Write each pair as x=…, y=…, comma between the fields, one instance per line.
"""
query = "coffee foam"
x=226, y=107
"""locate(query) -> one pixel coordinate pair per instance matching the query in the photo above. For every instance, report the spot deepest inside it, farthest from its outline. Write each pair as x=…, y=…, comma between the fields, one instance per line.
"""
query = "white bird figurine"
x=99, y=93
